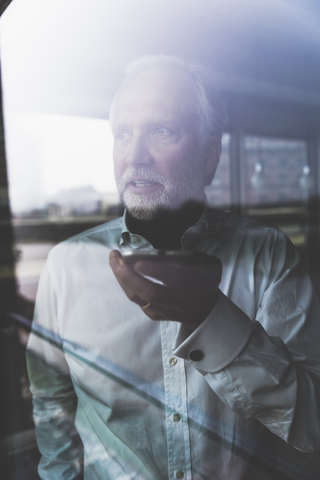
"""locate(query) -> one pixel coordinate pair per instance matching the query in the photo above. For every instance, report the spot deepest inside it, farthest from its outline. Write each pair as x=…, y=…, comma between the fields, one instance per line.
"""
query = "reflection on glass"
x=306, y=181
x=218, y=192
x=258, y=179
x=60, y=167
x=61, y=182
x=273, y=168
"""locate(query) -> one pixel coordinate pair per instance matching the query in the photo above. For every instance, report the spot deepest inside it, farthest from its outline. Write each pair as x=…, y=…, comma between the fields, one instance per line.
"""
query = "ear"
x=211, y=159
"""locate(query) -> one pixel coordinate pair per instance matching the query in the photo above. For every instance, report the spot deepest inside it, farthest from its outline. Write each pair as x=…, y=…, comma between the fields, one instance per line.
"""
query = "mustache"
x=143, y=173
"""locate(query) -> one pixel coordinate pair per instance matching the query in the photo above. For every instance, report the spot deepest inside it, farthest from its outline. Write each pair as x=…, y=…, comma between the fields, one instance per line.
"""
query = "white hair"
x=211, y=108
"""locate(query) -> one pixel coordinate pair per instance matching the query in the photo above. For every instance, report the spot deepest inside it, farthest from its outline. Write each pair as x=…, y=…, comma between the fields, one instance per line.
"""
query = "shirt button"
x=196, y=355
x=176, y=417
x=179, y=474
x=173, y=361
x=136, y=239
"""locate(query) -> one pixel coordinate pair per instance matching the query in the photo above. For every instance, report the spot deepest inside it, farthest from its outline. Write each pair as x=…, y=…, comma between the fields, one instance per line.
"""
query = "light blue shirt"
x=143, y=409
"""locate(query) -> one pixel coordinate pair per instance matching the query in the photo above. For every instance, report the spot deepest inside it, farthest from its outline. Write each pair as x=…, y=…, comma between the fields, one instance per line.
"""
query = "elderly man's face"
x=156, y=152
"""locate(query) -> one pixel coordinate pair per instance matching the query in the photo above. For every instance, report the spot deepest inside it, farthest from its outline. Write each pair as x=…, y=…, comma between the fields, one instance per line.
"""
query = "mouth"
x=142, y=186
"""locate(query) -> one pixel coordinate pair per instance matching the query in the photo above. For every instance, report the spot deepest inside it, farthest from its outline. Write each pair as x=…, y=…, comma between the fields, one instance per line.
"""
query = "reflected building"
x=274, y=173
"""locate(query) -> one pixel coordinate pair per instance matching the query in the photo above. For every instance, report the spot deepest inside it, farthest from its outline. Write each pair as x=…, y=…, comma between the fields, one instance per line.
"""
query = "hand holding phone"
x=134, y=257
x=181, y=286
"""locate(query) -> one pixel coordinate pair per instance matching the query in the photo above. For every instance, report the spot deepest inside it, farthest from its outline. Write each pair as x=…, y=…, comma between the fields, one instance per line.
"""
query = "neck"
x=166, y=229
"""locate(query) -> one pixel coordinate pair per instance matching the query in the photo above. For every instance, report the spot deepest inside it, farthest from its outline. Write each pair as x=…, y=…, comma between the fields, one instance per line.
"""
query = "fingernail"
x=115, y=255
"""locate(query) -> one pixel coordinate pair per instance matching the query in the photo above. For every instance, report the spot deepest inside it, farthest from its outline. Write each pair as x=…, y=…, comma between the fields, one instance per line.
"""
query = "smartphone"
x=130, y=256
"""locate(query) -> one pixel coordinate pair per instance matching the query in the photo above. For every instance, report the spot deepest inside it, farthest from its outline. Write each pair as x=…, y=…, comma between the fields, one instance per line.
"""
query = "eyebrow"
x=150, y=122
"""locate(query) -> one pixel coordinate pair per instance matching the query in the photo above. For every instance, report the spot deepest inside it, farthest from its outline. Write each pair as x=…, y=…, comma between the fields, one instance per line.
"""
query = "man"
x=182, y=368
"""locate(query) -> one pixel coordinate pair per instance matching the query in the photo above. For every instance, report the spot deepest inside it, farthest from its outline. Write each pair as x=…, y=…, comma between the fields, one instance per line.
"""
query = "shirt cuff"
x=218, y=340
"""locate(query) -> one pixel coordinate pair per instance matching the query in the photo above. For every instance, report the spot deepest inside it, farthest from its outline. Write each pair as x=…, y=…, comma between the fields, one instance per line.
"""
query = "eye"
x=161, y=130
x=164, y=134
x=121, y=135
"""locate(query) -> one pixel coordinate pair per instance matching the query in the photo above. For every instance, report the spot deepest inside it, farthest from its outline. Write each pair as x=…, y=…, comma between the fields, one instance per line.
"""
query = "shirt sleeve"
x=54, y=399
x=267, y=368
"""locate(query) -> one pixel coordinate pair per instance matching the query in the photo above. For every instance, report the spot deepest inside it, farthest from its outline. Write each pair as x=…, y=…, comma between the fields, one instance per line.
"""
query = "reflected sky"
x=49, y=153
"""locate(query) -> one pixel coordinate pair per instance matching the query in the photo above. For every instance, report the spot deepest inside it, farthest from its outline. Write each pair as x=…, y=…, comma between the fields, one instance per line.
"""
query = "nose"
x=138, y=151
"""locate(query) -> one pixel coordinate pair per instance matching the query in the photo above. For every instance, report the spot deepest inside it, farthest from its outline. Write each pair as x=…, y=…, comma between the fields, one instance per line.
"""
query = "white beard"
x=177, y=190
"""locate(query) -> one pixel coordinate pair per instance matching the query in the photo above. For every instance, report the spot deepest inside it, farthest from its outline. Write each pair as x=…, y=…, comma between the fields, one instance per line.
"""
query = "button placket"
x=178, y=438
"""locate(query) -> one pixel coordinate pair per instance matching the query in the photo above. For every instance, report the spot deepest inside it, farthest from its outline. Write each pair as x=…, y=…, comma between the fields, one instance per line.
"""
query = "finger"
x=169, y=274
x=154, y=314
x=185, y=263
x=166, y=303
x=137, y=288
x=165, y=312
x=182, y=276
x=141, y=291
x=131, y=282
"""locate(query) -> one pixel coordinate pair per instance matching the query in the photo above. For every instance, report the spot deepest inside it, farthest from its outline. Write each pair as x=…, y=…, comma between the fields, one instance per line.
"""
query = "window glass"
x=275, y=171
x=61, y=182
x=277, y=181
x=218, y=192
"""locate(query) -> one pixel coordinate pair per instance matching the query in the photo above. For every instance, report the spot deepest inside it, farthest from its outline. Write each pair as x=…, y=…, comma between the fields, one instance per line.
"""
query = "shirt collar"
x=209, y=222
x=131, y=240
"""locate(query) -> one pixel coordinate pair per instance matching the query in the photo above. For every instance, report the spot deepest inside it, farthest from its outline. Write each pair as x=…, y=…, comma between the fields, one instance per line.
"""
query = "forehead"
x=162, y=92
